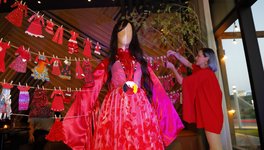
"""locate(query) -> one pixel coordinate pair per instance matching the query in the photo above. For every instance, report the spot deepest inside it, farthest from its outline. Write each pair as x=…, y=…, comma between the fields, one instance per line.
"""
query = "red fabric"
x=56, y=132
x=87, y=48
x=3, y=47
x=124, y=121
x=16, y=16
x=56, y=66
x=35, y=28
x=49, y=27
x=58, y=37
x=57, y=103
x=79, y=71
x=20, y=63
x=202, y=100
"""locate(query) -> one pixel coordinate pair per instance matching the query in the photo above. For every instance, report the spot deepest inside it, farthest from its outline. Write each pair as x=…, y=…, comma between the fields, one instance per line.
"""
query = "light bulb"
x=236, y=29
x=234, y=41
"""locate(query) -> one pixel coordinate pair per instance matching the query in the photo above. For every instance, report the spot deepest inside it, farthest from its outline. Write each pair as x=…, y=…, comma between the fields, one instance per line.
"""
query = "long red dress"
x=125, y=121
x=202, y=100
x=3, y=47
x=16, y=16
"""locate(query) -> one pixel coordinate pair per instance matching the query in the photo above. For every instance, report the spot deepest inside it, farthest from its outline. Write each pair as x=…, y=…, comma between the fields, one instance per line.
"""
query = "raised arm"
x=179, y=78
x=182, y=59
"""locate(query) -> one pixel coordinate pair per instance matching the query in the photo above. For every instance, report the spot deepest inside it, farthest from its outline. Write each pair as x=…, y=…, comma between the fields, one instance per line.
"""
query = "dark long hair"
x=135, y=51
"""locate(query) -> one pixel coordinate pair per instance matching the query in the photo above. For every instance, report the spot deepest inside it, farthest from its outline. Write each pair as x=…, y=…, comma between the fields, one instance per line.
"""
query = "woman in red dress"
x=202, y=96
x=136, y=112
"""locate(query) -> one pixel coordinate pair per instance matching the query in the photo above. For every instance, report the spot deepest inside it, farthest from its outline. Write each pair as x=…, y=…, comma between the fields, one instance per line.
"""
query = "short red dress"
x=202, y=100
x=56, y=132
x=57, y=104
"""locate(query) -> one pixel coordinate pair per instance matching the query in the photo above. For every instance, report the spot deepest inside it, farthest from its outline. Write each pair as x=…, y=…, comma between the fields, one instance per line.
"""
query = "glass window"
x=243, y=116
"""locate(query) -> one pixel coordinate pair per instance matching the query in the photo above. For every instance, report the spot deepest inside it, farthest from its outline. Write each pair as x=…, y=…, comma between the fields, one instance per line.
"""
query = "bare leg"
x=214, y=140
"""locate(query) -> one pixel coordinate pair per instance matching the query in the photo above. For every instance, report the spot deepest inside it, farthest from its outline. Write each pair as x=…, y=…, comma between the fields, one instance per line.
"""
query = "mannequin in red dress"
x=136, y=112
x=202, y=96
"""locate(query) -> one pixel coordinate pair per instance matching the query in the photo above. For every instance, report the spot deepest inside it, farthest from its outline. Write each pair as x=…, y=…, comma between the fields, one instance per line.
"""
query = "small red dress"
x=16, y=16
x=20, y=63
x=56, y=133
x=79, y=71
x=202, y=100
x=35, y=28
x=49, y=27
x=87, y=70
x=56, y=64
x=57, y=104
x=3, y=47
x=87, y=48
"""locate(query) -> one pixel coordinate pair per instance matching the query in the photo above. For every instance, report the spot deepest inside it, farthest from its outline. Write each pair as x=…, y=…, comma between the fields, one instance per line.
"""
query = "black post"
x=254, y=64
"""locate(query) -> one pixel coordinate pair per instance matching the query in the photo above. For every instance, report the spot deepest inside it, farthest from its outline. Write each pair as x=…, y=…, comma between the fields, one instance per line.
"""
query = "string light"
x=236, y=28
x=234, y=41
x=39, y=2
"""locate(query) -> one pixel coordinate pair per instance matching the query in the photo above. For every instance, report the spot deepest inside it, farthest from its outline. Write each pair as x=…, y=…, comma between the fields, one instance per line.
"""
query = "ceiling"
x=72, y=4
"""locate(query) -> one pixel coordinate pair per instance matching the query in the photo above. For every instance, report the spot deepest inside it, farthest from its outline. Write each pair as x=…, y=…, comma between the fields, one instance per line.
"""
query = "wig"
x=135, y=50
x=212, y=62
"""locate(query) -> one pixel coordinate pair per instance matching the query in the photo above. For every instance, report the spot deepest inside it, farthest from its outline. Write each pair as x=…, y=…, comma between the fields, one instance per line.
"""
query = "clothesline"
x=24, y=115
x=79, y=59
x=50, y=89
x=48, y=56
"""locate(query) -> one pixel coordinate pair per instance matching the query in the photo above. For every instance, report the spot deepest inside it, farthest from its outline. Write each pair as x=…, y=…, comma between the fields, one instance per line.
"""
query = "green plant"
x=174, y=25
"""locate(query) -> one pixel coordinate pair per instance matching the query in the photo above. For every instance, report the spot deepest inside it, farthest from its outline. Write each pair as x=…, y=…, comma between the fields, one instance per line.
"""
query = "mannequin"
x=202, y=96
x=136, y=113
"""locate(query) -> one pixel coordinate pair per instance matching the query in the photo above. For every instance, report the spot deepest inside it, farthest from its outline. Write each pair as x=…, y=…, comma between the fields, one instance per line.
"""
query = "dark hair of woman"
x=135, y=51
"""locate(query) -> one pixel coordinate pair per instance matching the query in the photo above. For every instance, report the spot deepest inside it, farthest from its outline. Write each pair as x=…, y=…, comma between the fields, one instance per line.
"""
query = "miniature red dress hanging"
x=79, y=71
x=35, y=28
x=3, y=47
x=39, y=104
x=41, y=70
x=16, y=16
x=56, y=132
x=87, y=48
x=87, y=70
x=57, y=104
x=97, y=49
x=58, y=36
x=72, y=43
x=68, y=96
x=20, y=63
x=49, y=27
x=56, y=64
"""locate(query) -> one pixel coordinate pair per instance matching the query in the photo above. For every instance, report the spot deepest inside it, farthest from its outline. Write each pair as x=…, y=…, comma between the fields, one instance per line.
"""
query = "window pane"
x=244, y=119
